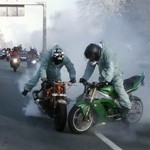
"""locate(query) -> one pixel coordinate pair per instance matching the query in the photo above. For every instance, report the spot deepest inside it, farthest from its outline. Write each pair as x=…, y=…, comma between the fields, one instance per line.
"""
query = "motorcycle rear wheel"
x=76, y=121
x=136, y=111
x=60, y=117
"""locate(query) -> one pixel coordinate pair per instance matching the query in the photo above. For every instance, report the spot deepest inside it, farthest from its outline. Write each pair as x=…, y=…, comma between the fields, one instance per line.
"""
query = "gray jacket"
x=51, y=71
x=108, y=66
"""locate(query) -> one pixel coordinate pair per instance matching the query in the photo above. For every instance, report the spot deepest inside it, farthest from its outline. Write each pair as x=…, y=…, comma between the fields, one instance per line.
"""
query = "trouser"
x=123, y=96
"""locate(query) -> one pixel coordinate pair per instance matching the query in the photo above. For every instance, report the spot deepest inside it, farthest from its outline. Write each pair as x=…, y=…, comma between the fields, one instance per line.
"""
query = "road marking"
x=108, y=142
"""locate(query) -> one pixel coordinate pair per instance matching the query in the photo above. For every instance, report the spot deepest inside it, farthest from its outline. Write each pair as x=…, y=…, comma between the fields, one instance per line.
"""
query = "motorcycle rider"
x=109, y=70
x=32, y=54
x=14, y=54
x=51, y=64
x=8, y=54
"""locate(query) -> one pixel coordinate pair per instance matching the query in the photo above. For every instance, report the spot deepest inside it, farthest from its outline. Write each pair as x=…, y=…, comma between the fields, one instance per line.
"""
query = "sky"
x=13, y=27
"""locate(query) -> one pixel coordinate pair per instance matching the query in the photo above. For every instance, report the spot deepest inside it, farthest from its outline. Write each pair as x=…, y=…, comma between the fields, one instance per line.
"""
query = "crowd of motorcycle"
x=17, y=54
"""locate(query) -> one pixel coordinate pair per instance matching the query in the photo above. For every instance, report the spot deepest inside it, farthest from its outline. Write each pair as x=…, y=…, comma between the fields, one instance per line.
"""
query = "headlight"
x=15, y=60
x=33, y=61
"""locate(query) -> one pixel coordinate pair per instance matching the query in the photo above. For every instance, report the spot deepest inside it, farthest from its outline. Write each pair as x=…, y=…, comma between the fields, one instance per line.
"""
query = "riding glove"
x=73, y=80
x=24, y=93
x=44, y=79
x=101, y=84
x=82, y=80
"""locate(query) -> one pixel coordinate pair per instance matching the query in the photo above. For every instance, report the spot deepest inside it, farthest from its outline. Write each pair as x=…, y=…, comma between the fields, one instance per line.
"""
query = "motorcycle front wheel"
x=136, y=111
x=77, y=122
x=15, y=69
x=60, y=117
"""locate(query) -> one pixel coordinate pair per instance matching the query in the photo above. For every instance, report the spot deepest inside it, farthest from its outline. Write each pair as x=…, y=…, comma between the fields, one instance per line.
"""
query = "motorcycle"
x=15, y=63
x=32, y=63
x=52, y=99
x=100, y=105
x=8, y=57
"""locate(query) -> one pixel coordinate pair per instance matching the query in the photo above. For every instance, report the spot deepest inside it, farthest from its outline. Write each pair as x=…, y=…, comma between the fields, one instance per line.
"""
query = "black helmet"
x=32, y=48
x=93, y=52
x=57, y=56
x=15, y=48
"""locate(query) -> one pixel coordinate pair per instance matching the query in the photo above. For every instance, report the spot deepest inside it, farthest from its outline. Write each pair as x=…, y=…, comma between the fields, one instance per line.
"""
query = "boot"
x=124, y=111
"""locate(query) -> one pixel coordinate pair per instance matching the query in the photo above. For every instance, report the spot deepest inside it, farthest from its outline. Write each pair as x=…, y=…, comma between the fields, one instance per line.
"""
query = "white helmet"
x=57, y=55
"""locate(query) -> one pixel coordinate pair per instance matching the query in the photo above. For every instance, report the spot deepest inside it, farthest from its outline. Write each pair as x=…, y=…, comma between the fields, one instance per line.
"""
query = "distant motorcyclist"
x=32, y=54
x=14, y=54
x=8, y=54
x=109, y=70
x=51, y=64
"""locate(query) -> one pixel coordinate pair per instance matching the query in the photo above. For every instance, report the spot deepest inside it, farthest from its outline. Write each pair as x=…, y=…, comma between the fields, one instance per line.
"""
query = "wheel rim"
x=79, y=123
x=136, y=112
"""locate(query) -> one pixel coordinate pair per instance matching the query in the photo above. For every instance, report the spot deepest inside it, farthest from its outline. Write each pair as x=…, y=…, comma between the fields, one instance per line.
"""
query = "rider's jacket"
x=51, y=71
x=32, y=55
x=108, y=66
x=14, y=53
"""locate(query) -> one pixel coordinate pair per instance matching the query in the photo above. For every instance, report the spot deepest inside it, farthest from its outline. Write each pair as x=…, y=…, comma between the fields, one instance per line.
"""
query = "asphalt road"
x=21, y=132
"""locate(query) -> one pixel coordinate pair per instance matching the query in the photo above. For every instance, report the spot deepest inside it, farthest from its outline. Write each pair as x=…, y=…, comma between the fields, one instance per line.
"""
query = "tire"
x=7, y=59
x=28, y=65
x=136, y=111
x=60, y=117
x=15, y=69
x=75, y=125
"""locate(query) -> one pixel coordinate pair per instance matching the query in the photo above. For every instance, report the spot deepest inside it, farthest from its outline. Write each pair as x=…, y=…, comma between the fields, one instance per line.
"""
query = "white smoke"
x=30, y=109
x=73, y=34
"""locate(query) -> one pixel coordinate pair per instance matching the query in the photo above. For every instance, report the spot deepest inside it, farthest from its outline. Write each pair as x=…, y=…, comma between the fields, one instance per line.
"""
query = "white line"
x=108, y=142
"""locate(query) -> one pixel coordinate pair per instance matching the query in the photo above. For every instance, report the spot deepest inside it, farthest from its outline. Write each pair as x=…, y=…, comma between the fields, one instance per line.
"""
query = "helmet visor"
x=58, y=58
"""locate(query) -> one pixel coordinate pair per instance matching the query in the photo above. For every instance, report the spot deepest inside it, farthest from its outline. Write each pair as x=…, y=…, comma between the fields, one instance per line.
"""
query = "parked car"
x=2, y=54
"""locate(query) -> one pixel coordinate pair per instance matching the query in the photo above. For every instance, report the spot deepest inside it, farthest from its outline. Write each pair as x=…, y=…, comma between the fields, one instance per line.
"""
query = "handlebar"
x=35, y=94
x=46, y=82
x=94, y=84
x=88, y=85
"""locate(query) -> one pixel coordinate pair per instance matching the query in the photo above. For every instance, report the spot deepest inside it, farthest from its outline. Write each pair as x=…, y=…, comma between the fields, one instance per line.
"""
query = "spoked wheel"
x=136, y=111
x=77, y=122
x=60, y=117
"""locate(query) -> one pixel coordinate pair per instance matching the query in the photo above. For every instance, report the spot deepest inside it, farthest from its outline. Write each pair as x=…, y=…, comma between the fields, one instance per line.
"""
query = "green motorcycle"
x=100, y=105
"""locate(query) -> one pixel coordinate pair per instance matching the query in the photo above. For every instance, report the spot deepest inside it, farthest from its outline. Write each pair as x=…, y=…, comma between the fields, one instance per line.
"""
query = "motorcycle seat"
x=132, y=82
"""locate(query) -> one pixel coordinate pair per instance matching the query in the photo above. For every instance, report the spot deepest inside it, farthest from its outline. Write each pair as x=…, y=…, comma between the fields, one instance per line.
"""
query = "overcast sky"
x=32, y=21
